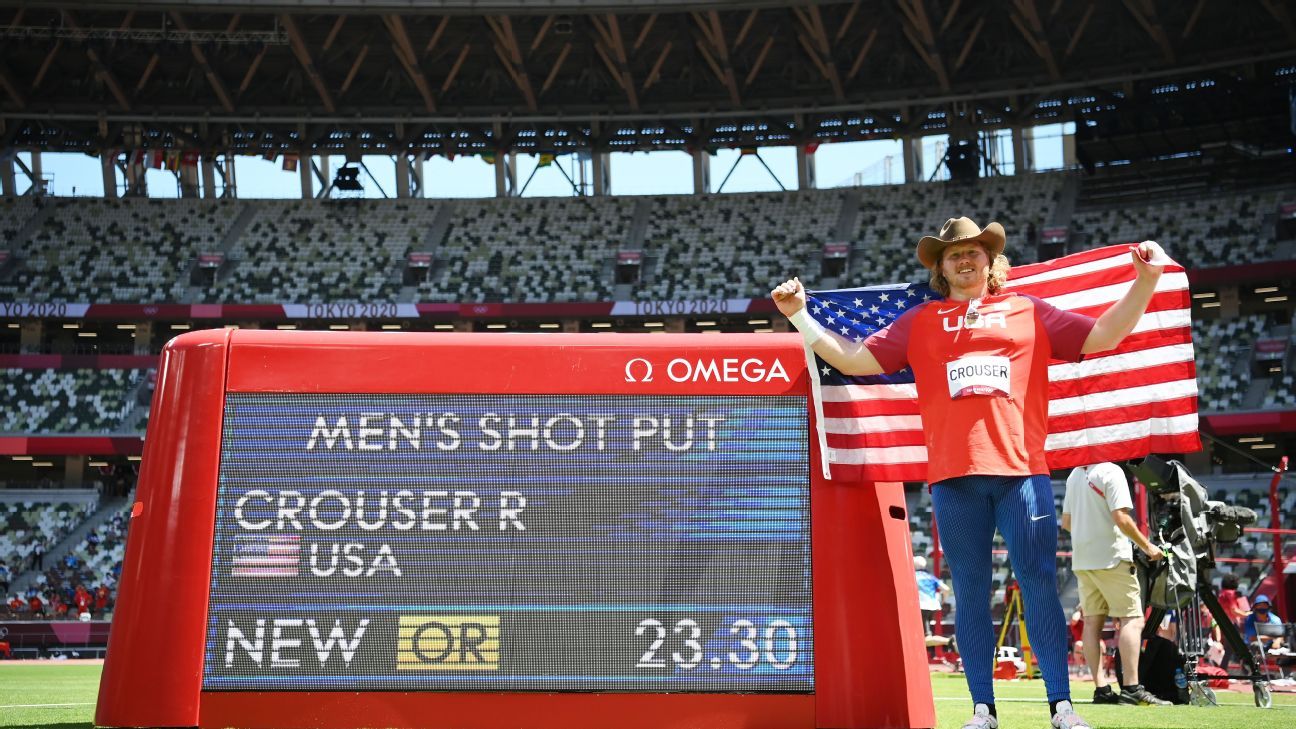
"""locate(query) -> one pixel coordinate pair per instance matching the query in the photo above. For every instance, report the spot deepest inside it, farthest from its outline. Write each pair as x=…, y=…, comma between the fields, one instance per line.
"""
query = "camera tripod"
x=1192, y=647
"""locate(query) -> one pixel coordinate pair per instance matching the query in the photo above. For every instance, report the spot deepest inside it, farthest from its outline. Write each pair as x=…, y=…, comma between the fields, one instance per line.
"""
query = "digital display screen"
x=512, y=543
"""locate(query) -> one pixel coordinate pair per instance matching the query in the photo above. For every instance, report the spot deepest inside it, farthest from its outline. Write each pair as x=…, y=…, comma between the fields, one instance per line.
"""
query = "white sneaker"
x=1067, y=718
x=981, y=718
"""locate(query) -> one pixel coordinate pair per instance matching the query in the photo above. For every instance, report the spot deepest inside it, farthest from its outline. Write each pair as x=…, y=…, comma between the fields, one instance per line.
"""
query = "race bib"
x=978, y=376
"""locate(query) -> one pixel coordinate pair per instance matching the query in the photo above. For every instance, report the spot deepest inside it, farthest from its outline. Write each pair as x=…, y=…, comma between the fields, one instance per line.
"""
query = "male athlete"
x=980, y=362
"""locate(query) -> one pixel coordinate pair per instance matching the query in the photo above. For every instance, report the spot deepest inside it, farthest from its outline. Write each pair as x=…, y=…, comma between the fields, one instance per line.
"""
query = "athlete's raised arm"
x=848, y=358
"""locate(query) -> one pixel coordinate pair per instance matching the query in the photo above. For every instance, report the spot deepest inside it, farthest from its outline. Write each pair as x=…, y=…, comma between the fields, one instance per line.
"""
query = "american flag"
x=1137, y=399
x=272, y=555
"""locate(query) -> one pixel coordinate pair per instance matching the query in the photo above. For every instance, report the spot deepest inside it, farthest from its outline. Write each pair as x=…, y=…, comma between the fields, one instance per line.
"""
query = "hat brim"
x=930, y=247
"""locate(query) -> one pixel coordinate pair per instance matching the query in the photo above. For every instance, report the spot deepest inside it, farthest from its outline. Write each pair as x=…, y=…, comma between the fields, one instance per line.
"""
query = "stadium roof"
x=460, y=76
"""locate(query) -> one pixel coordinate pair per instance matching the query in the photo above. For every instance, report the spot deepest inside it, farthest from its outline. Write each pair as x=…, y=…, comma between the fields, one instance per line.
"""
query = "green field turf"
x=59, y=696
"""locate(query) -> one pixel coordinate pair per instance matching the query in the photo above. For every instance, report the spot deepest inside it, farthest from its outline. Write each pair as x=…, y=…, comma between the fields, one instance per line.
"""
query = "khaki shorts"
x=1113, y=592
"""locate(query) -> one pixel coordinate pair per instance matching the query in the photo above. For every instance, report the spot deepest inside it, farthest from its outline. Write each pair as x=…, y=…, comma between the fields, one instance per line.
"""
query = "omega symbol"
x=647, y=372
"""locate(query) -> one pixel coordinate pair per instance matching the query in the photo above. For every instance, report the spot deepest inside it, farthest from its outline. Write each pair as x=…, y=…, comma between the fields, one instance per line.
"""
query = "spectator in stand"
x=4, y=576
x=59, y=607
x=1261, y=614
x=17, y=605
x=82, y=599
x=101, y=600
x=1235, y=606
x=37, y=606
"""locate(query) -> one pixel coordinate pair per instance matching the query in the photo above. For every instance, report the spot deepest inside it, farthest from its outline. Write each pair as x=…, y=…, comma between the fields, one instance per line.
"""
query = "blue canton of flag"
x=854, y=314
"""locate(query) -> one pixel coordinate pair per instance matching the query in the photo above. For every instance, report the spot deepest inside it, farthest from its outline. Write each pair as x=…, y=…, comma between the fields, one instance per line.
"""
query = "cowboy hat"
x=960, y=230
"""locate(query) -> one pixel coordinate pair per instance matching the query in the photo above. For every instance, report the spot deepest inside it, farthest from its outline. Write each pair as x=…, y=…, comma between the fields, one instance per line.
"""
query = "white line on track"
x=42, y=706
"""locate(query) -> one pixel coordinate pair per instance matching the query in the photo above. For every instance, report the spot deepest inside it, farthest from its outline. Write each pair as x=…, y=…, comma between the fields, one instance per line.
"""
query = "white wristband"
x=810, y=330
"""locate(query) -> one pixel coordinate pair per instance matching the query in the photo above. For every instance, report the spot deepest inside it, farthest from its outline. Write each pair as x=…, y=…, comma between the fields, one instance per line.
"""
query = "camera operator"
x=1096, y=511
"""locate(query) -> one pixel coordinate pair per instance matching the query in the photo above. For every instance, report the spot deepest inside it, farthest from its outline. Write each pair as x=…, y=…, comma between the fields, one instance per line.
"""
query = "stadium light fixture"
x=1266, y=289
x=134, y=458
x=1204, y=295
x=285, y=326
x=1251, y=439
x=15, y=325
x=22, y=458
x=129, y=327
x=73, y=325
x=1210, y=305
x=705, y=323
x=97, y=464
x=1263, y=446
x=601, y=325
x=443, y=327
x=763, y=331
x=87, y=334
x=654, y=324
x=757, y=322
x=497, y=326
x=390, y=327
x=43, y=464
x=550, y=326
x=340, y=327
x=1274, y=299
x=181, y=326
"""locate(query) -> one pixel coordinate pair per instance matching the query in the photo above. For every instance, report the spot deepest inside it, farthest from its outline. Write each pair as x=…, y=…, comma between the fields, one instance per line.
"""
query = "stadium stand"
x=94, y=563
x=115, y=250
x=29, y=528
x=72, y=401
x=893, y=218
x=1200, y=231
x=529, y=250
x=1223, y=370
x=735, y=245
x=311, y=251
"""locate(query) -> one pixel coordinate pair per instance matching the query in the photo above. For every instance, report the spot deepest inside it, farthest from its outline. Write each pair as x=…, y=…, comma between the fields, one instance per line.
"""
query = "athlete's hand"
x=1154, y=555
x=1149, y=259
x=789, y=297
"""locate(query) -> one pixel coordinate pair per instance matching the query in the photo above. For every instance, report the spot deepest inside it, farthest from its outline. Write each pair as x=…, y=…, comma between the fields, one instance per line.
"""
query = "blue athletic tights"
x=967, y=511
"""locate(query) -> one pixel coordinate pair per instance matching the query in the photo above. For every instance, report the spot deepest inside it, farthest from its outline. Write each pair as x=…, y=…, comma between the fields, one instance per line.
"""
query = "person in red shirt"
x=101, y=599
x=980, y=361
x=36, y=605
x=82, y=599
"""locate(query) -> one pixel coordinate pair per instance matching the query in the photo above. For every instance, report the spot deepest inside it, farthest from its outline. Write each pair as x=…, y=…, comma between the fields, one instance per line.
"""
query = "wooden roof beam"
x=815, y=41
x=612, y=49
x=405, y=54
x=12, y=87
x=299, y=49
x=1079, y=31
x=1028, y=23
x=858, y=63
x=1144, y=11
x=510, y=54
x=717, y=55
x=102, y=70
x=918, y=29
x=212, y=78
x=1280, y=13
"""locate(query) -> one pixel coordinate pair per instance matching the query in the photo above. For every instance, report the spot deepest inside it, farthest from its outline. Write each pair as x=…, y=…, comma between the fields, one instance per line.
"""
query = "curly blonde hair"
x=994, y=282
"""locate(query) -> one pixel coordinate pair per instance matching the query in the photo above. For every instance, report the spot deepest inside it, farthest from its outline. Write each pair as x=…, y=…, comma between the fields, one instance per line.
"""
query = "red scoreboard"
x=488, y=531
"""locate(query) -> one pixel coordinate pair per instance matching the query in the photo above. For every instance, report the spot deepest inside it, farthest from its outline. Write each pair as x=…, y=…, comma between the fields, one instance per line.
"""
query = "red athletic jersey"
x=982, y=379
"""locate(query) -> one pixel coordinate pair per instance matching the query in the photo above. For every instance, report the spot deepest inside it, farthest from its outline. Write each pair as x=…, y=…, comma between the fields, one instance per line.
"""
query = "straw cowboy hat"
x=960, y=230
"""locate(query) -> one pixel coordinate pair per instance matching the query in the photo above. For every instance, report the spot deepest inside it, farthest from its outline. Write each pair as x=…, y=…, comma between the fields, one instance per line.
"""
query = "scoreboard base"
x=346, y=710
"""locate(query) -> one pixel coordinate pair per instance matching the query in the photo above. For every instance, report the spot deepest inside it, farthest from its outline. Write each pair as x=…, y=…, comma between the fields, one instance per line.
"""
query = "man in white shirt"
x=1097, y=513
